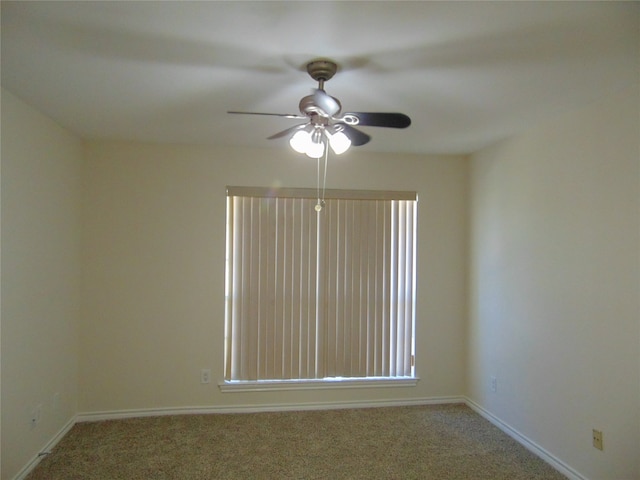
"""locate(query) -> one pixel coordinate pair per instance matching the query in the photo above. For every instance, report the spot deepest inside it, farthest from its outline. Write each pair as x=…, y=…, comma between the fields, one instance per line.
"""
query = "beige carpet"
x=422, y=442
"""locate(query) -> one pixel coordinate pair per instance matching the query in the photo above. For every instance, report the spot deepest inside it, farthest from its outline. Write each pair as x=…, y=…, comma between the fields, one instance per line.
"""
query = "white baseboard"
x=527, y=443
x=47, y=448
x=280, y=407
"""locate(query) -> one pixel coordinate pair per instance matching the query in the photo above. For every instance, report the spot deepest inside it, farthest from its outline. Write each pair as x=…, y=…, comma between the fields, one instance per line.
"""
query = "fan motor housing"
x=308, y=107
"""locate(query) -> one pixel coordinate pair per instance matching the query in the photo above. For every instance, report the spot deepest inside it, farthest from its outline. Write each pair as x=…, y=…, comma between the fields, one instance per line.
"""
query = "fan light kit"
x=325, y=127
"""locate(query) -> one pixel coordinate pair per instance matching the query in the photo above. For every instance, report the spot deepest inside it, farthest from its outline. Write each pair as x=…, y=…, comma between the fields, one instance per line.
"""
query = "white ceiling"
x=467, y=73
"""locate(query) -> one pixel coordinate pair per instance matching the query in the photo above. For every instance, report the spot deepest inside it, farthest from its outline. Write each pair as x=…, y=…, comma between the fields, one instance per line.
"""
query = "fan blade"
x=374, y=119
x=285, y=115
x=327, y=103
x=286, y=132
x=356, y=136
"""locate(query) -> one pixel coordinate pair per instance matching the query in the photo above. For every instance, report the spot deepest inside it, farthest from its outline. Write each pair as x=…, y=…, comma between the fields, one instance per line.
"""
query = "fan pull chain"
x=321, y=203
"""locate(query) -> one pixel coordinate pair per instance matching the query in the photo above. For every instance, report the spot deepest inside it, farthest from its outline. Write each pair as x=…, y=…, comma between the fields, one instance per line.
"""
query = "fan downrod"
x=321, y=70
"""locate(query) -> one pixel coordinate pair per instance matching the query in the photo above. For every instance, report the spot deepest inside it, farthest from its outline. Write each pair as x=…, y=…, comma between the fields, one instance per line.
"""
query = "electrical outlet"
x=494, y=384
x=205, y=375
x=55, y=402
x=597, y=439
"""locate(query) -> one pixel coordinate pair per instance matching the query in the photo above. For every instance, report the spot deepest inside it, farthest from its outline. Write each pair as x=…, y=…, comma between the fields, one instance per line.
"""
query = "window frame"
x=262, y=384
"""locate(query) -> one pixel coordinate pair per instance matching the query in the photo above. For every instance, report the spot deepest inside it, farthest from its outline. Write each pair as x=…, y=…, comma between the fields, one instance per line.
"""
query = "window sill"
x=321, y=384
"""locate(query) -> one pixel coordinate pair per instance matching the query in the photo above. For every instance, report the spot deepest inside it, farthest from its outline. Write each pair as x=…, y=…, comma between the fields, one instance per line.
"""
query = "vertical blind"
x=313, y=295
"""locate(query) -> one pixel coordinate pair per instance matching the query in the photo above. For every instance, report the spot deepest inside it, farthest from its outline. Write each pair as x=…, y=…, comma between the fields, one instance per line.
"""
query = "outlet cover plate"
x=597, y=439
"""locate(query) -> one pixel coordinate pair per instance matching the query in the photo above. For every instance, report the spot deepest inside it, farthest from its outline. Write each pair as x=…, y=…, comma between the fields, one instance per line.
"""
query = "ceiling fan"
x=324, y=123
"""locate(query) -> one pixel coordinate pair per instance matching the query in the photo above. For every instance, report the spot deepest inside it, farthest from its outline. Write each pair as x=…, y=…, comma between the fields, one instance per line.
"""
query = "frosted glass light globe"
x=300, y=141
x=315, y=150
x=339, y=142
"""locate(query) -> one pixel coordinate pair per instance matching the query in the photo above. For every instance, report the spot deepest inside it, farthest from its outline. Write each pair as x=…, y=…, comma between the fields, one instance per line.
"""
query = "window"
x=319, y=295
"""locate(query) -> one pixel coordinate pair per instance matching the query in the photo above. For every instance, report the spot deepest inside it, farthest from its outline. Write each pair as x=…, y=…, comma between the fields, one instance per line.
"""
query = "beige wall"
x=555, y=285
x=41, y=178
x=154, y=237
